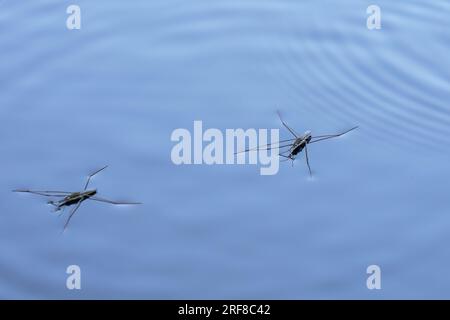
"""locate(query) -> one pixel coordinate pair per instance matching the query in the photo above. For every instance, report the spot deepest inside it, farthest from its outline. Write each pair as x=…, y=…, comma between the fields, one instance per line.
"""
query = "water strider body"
x=299, y=143
x=74, y=198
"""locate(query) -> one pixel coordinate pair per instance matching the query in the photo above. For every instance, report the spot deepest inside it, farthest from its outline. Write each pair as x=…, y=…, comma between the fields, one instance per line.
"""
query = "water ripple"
x=394, y=82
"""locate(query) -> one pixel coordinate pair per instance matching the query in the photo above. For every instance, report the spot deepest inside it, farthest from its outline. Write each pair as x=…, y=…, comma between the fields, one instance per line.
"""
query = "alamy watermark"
x=374, y=279
x=214, y=146
x=74, y=279
x=73, y=21
x=374, y=19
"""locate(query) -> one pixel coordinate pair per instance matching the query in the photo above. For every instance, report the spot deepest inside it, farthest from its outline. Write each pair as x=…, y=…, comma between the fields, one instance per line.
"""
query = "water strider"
x=75, y=198
x=297, y=144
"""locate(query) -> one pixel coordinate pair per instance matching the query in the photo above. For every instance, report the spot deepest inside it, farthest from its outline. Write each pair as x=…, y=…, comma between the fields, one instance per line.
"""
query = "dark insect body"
x=74, y=198
x=296, y=145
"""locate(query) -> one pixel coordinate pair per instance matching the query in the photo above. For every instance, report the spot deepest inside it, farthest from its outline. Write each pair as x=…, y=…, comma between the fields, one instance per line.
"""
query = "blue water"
x=113, y=92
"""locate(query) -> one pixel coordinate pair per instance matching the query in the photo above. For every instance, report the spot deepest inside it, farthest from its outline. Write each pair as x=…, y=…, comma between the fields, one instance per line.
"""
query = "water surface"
x=113, y=92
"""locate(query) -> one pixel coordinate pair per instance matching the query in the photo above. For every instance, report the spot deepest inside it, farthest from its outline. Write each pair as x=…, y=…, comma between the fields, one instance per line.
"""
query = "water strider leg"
x=307, y=161
x=112, y=202
x=72, y=213
x=329, y=136
x=93, y=174
x=286, y=126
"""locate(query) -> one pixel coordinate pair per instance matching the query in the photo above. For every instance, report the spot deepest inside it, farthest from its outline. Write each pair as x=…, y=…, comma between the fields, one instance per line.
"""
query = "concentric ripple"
x=394, y=82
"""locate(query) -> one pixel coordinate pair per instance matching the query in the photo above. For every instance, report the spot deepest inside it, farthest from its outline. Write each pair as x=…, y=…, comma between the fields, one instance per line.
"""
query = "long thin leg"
x=286, y=126
x=93, y=174
x=307, y=161
x=324, y=137
x=290, y=149
x=72, y=213
x=286, y=154
x=287, y=159
x=112, y=202
x=46, y=193
x=268, y=148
